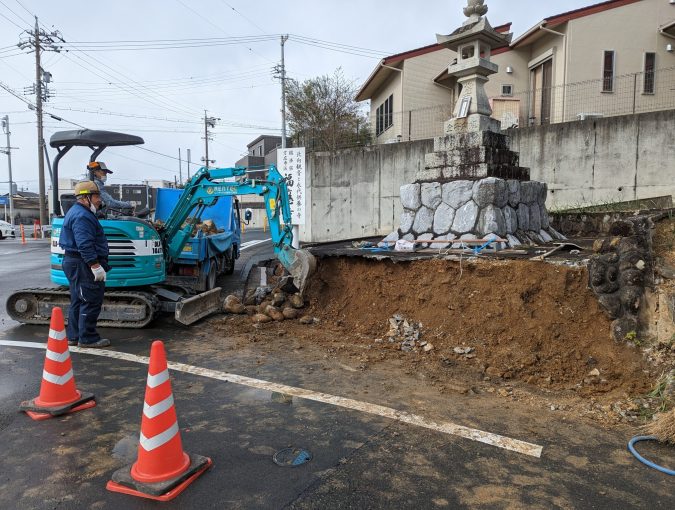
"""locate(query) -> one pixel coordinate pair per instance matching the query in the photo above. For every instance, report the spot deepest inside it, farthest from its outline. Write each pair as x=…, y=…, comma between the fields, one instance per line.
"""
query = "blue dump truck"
x=171, y=264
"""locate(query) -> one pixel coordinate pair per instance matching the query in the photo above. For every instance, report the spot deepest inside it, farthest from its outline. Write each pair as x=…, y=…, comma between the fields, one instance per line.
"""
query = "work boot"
x=103, y=342
x=71, y=343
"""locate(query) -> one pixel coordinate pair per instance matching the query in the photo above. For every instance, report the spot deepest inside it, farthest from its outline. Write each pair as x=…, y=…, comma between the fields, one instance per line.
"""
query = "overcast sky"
x=161, y=94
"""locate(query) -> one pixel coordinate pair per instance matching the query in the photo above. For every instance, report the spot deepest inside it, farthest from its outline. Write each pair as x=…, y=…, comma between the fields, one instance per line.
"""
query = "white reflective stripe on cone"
x=57, y=335
x=58, y=356
x=158, y=408
x=57, y=379
x=150, y=443
x=157, y=379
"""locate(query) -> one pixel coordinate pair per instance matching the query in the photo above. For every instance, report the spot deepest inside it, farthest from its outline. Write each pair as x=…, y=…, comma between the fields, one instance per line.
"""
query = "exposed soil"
x=663, y=241
x=535, y=331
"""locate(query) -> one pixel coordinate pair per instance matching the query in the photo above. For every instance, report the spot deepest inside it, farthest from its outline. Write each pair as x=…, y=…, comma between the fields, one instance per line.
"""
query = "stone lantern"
x=472, y=185
x=473, y=42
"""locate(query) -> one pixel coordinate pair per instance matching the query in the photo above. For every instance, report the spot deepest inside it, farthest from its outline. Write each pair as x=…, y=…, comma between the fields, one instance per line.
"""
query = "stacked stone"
x=472, y=186
x=464, y=210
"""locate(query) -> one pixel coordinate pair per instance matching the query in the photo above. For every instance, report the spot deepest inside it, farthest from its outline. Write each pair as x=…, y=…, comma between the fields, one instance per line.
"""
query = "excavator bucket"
x=301, y=264
x=197, y=307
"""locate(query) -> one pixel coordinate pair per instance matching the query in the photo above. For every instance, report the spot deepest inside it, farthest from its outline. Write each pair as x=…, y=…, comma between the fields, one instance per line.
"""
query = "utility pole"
x=8, y=151
x=188, y=164
x=284, y=38
x=209, y=122
x=180, y=168
x=40, y=40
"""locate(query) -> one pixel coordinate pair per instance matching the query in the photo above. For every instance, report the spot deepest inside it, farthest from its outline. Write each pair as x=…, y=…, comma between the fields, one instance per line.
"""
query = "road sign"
x=291, y=163
x=4, y=201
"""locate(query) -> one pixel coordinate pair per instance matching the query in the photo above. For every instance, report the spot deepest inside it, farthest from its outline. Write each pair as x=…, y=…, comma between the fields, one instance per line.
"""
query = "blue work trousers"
x=86, y=301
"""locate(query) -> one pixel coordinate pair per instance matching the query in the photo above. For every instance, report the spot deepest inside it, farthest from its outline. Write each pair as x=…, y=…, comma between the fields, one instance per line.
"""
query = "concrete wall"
x=604, y=160
x=355, y=193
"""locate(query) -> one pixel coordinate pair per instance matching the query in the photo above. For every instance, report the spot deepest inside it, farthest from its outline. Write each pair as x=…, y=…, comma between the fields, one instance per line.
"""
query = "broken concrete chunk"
x=594, y=373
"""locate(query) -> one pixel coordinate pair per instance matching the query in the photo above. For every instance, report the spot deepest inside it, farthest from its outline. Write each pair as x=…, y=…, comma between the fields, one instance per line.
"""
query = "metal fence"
x=630, y=94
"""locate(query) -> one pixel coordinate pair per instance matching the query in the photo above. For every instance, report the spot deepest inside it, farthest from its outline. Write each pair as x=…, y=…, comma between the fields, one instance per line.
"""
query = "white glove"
x=99, y=273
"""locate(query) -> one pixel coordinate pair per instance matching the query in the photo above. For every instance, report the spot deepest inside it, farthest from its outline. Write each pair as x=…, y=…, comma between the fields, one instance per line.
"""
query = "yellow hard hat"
x=86, y=188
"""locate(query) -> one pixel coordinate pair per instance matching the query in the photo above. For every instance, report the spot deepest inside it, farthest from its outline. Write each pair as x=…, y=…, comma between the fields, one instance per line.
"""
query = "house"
x=611, y=58
x=26, y=207
x=262, y=152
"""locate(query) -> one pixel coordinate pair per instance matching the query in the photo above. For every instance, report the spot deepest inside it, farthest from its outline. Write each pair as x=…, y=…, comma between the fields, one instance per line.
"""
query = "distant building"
x=26, y=207
x=262, y=152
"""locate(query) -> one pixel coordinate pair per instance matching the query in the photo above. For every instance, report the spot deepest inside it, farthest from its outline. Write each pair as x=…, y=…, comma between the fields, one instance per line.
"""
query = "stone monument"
x=472, y=185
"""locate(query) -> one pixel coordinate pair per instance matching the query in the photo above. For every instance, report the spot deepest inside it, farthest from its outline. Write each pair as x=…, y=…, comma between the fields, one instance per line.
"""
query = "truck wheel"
x=229, y=261
x=211, y=277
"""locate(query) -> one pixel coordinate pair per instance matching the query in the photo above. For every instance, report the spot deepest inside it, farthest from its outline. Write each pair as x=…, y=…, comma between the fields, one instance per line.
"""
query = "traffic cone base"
x=123, y=482
x=39, y=413
x=58, y=393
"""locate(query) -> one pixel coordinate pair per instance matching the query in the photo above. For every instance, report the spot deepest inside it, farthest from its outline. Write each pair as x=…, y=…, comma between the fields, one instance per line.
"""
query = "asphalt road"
x=360, y=459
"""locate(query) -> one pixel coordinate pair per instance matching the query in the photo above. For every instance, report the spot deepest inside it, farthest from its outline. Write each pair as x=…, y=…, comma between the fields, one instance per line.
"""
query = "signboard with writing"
x=291, y=163
x=4, y=201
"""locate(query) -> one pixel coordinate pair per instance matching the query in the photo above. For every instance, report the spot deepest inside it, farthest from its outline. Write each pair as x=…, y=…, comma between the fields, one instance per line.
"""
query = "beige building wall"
x=395, y=87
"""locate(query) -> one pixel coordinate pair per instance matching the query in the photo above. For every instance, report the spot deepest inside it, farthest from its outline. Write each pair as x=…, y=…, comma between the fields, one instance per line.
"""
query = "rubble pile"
x=406, y=334
x=268, y=304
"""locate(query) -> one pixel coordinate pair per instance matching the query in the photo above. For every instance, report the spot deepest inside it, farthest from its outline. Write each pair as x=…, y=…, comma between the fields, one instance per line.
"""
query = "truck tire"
x=211, y=277
x=229, y=261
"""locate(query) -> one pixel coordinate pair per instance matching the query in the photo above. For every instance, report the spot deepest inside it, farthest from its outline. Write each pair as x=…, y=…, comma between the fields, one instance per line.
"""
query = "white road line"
x=249, y=244
x=497, y=440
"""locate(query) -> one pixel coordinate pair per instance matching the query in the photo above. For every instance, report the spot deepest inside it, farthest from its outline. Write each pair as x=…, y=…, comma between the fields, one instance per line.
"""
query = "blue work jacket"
x=82, y=233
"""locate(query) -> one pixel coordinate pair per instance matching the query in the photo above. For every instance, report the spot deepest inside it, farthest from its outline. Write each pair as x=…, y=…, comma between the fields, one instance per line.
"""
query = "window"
x=608, y=71
x=507, y=90
x=384, y=116
x=648, y=85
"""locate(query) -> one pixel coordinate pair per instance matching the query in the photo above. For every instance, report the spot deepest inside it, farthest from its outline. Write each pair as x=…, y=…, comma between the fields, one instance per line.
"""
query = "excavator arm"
x=204, y=190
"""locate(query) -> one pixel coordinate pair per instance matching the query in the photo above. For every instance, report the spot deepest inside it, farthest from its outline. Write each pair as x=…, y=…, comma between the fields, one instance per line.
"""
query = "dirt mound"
x=528, y=321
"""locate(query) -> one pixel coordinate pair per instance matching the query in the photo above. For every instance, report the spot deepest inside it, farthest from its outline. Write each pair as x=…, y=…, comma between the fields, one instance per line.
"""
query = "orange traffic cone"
x=58, y=394
x=162, y=469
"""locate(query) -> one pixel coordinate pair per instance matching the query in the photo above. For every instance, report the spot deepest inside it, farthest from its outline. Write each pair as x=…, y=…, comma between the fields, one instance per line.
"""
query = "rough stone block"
x=523, y=217
x=457, y=193
x=473, y=123
x=514, y=192
x=490, y=191
x=393, y=237
x=535, y=218
x=510, y=219
x=544, y=235
x=443, y=218
x=431, y=194
x=428, y=174
x=543, y=214
x=465, y=237
x=465, y=218
x=410, y=196
x=543, y=192
x=424, y=220
x=513, y=240
x=436, y=160
x=491, y=220
x=446, y=237
x=425, y=237
x=407, y=219
x=529, y=192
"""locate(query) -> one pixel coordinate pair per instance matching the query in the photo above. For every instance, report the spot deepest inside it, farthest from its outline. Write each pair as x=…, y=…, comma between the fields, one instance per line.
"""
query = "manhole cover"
x=292, y=457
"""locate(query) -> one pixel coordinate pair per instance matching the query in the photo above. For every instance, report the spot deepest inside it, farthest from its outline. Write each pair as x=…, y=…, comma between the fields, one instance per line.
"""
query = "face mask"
x=103, y=178
x=92, y=208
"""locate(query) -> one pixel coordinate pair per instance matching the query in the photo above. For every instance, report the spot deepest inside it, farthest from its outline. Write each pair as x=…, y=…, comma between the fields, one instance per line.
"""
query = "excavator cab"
x=135, y=246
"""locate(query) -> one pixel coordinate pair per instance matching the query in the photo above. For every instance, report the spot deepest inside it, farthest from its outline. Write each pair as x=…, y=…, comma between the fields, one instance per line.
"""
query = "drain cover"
x=292, y=457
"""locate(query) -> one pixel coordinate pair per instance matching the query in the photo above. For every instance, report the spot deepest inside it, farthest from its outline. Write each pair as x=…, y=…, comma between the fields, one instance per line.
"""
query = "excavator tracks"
x=121, y=309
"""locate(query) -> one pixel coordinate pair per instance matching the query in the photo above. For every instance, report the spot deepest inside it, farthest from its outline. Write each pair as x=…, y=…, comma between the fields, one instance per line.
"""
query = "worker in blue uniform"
x=98, y=172
x=85, y=264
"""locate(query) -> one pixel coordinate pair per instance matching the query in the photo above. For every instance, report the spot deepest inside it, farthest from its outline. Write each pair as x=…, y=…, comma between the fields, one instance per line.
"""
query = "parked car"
x=6, y=230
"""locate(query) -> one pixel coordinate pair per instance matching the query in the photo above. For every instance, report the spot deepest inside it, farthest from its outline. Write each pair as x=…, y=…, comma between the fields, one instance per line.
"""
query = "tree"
x=323, y=115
